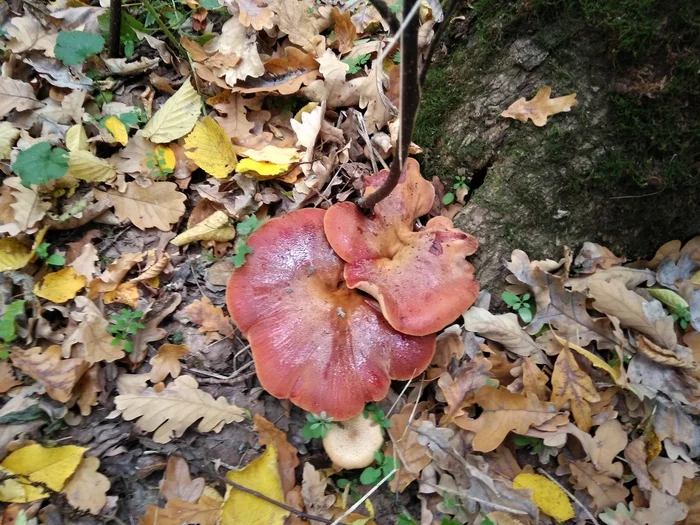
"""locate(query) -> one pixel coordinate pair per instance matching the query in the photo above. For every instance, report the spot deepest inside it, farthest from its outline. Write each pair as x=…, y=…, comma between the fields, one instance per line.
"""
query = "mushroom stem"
x=408, y=104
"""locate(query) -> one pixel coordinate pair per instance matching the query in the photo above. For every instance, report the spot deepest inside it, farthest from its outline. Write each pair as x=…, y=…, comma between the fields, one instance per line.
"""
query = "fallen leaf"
x=85, y=263
x=253, y=14
x=93, y=340
x=503, y=412
x=234, y=119
x=32, y=464
x=8, y=137
x=172, y=411
x=85, y=166
x=261, y=170
x=671, y=475
x=166, y=362
x=210, y=318
x=176, y=512
x=610, y=440
x=118, y=130
x=548, y=496
x=571, y=384
x=234, y=53
x=261, y=475
x=294, y=20
x=411, y=454
x=605, y=491
x=124, y=293
x=16, y=95
x=288, y=455
x=61, y=286
x=680, y=357
x=87, y=390
x=313, y=492
x=87, y=488
x=113, y=275
x=690, y=495
x=216, y=227
x=153, y=270
x=176, y=117
x=662, y=509
x=28, y=209
x=210, y=148
x=345, y=32
x=534, y=380
x=540, y=107
x=373, y=99
x=27, y=33
x=58, y=376
x=307, y=133
x=158, y=206
x=7, y=377
x=178, y=484
x=672, y=423
x=460, y=390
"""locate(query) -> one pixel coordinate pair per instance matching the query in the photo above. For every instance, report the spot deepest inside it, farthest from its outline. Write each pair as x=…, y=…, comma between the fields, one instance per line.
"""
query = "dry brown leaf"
x=58, y=376
x=85, y=264
x=672, y=423
x=124, y=293
x=294, y=20
x=540, y=107
x=605, y=491
x=345, y=31
x=288, y=458
x=158, y=206
x=411, y=455
x=460, y=390
x=94, y=342
x=177, y=483
x=16, y=95
x=165, y=304
x=662, y=509
x=672, y=475
x=172, y=411
x=113, y=275
x=87, y=488
x=7, y=377
x=313, y=492
x=167, y=362
x=87, y=390
x=680, y=358
x=253, y=14
x=373, y=99
x=503, y=412
x=571, y=384
x=210, y=318
x=690, y=495
x=154, y=270
x=234, y=53
x=296, y=68
x=176, y=512
x=233, y=119
x=448, y=346
x=610, y=440
x=28, y=209
x=534, y=380
x=593, y=256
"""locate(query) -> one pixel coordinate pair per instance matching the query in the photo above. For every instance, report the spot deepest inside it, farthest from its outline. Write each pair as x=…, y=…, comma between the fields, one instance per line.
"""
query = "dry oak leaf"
x=92, y=335
x=158, y=206
x=672, y=423
x=177, y=483
x=534, y=380
x=690, y=495
x=16, y=95
x=460, y=390
x=503, y=412
x=210, y=318
x=573, y=385
x=233, y=117
x=205, y=511
x=50, y=467
x=59, y=376
x=155, y=266
x=413, y=455
x=313, y=492
x=172, y=411
x=345, y=31
x=210, y=148
x=294, y=20
x=296, y=68
x=605, y=491
x=176, y=117
x=681, y=357
x=610, y=440
x=61, y=286
x=28, y=209
x=166, y=362
x=378, y=111
x=256, y=14
x=124, y=293
x=288, y=455
x=87, y=390
x=87, y=488
x=7, y=377
x=540, y=107
x=113, y=275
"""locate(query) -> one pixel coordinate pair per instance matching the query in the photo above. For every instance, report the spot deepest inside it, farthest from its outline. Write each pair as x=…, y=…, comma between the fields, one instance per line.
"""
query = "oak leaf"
x=373, y=100
x=7, y=377
x=534, y=380
x=313, y=492
x=59, y=376
x=93, y=340
x=154, y=266
x=253, y=14
x=177, y=483
x=28, y=209
x=289, y=73
x=210, y=318
x=288, y=455
x=87, y=488
x=85, y=263
x=605, y=491
x=166, y=362
x=690, y=495
x=205, y=511
x=460, y=390
x=294, y=20
x=404, y=441
x=87, y=390
x=124, y=293
x=158, y=206
x=176, y=117
x=540, y=107
x=234, y=53
x=610, y=440
x=345, y=31
x=504, y=412
x=172, y=411
x=210, y=148
x=113, y=275
x=233, y=116
x=680, y=357
x=571, y=384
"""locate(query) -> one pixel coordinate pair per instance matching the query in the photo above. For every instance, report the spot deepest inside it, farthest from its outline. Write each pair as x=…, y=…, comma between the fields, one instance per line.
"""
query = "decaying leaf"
x=173, y=410
x=460, y=390
x=210, y=318
x=216, y=227
x=605, y=491
x=540, y=107
x=91, y=340
x=177, y=483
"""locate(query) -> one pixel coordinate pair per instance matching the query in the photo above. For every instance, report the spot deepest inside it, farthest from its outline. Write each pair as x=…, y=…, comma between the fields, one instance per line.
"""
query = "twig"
x=363, y=498
x=408, y=104
x=387, y=15
x=583, y=507
x=163, y=27
x=227, y=380
x=115, y=28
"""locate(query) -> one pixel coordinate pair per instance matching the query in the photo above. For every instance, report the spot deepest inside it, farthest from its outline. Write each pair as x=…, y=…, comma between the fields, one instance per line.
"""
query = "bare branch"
x=115, y=28
x=386, y=14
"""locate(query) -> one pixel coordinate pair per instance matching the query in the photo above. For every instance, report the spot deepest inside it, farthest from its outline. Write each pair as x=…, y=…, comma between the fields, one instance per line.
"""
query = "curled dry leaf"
x=113, y=275
x=460, y=390
x=172, y=411
x=58, y=376
x=166, y=362
x=216, y=227
x=540, y=107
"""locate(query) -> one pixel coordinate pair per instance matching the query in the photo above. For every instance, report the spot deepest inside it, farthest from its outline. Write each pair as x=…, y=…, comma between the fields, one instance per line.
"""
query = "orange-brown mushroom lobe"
x=421, y=279
x=315, y=341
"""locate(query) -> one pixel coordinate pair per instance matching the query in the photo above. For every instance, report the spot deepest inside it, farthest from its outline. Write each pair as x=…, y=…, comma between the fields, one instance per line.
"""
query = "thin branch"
x=408, y=105
x=163, y=27
x=386, y=14
x=363, y=498
x=437, y=37
x=583, y=507
x=115, y=28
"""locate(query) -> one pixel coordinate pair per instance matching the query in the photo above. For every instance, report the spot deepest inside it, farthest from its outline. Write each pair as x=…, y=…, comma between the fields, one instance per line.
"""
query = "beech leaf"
x=176, y=117
x=210, y=148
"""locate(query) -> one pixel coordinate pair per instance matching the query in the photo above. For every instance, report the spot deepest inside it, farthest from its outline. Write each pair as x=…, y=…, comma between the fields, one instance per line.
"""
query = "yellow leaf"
x=87, y=489
x=551, y=499
x=118, y=130
x=61, y=286
x=15, y=255
x=76, y=138
x=594, y=359
x=540, y=107
x=272, y=154
x=8, y=136
x=176, y=117
x=216, y=227
x=85, y=166
x=262, y=475
x=261, y=168
x=125, y=293
x=166, y=157
x=37, y=464
x=210, y=148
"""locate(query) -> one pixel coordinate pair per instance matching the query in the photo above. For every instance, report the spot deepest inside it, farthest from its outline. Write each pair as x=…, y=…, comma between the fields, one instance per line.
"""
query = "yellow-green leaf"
x=549, y=497
x=15, y=255
x=76, y=138
x=118, y=130
x=168, y=157
x=85, y=166
x=262, y=475
x=61, y=286
x=37, y=464
x=176, y=117
x=8, y=136
x=216, y=227
x=261, y=169
x=210, y=148
x=669, y=298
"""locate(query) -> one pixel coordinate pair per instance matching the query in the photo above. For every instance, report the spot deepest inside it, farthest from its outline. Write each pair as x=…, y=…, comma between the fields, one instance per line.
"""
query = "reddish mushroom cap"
x=421, y=279
x=315, y=341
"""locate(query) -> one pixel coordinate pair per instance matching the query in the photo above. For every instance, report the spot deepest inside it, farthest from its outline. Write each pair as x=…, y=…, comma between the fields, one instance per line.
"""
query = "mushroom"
x=315, y=341
x=351, y=444
x=421, y=279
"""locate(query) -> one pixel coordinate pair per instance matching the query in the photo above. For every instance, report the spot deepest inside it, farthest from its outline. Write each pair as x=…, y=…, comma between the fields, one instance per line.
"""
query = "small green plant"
x=55, y=259
x=405, y=519
x=677, y=306
x=8, y=326
x=453, y=505
x=377, y=415
x=244, y=229
x=124, y=325
x=40, y=164
x=396, y=7
x=460, y=183
x=537, y=444
x=159, y=164
x=385, y=464
x=176, y=338
x=316, y=426
x=74, y=47
x=355, y=63
x=524, y=306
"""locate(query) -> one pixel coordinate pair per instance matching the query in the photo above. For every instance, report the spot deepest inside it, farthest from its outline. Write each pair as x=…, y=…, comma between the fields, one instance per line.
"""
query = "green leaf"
x=9, y=318
x=56, y=260
x=669, y=298
x=242, y=249
x=40, y=164
x=405, y=520
x=31, y=413
x=370, y=476
x=510, y=298
x=448, y=199
x=74, y=47
x=248, y=226
x=525, y=441
x=525, y=314
x=43, y=250
x=355, y=63
x=487, y=521
x=209, y=4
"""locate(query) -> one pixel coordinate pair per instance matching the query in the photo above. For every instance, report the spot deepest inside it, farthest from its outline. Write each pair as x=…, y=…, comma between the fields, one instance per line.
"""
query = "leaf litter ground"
x=126, y=204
